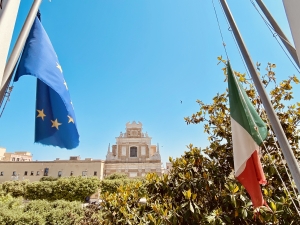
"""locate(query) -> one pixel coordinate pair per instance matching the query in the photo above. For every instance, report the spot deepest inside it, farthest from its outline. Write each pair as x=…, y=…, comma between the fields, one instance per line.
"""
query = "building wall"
x=17, y=156
x=133, y=169
x=168, y=167
x=2, y=151
x=36, y=169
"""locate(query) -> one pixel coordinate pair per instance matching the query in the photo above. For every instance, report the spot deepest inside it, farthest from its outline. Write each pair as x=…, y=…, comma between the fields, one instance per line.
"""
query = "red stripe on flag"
x=252, y=177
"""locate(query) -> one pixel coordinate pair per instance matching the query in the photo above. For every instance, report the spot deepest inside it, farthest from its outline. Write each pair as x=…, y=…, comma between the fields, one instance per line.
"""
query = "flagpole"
x=8, y=15
x=283, y=142
x=279, y=31
x=14, y=56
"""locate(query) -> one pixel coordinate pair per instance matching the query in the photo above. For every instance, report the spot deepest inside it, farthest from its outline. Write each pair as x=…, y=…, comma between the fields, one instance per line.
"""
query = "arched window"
x=133, y=151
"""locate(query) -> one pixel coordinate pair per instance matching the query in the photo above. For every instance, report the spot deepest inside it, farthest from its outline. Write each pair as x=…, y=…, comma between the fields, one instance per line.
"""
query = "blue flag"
x=55, y=122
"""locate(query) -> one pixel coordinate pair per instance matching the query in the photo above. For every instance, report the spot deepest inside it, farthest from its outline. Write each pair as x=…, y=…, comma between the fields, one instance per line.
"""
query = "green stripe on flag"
x=242, y=110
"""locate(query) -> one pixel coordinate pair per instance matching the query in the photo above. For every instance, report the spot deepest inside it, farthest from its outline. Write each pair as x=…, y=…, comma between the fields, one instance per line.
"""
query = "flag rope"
x=7, y=96
x=217, y=18
x=268, y=153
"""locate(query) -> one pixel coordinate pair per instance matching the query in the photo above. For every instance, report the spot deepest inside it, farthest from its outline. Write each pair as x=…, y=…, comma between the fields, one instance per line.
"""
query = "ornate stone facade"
x=133, y=153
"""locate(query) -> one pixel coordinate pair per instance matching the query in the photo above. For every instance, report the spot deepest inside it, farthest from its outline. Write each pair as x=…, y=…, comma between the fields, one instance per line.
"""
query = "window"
x=13, y=159
x=2, y=173
x=59, y=173
x=46, y=171
x=95, y=173
x=14, y=173
x=133, y=133
x=31, y=173
x=84, y=173
x=25, y=173
x=37, y=173
x=71, y=174
x=133, y=151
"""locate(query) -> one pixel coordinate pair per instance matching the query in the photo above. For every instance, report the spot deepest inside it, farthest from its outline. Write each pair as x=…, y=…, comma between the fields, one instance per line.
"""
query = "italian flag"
x=248, y=133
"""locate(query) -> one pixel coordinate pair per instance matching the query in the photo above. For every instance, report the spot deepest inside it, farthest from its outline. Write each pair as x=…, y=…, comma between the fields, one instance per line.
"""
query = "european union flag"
x=55, y=122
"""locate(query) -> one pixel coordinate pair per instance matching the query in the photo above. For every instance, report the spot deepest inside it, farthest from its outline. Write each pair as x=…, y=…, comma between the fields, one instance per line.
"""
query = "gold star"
x=55, y=124
x=59, y=67
x=71, y=120
x=65, y=83
x=41, y=114
x=72, y=105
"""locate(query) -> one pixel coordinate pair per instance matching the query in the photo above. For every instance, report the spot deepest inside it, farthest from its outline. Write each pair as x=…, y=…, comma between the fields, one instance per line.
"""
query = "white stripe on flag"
x=243, y=146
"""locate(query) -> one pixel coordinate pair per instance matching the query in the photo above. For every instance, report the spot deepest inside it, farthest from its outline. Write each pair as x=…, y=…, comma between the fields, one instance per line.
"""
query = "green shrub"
x=112, y=182
x=70, y=188
x=17, y=217
x=123, y=206
x=49, y=178
x=15, y=188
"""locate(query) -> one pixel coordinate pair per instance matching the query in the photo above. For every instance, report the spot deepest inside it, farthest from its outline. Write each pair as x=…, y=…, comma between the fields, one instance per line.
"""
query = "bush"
x=71, y=188
x=15, y=188
x=112, y=182
x=40, y=212
x=49, y=178
x=123, y=206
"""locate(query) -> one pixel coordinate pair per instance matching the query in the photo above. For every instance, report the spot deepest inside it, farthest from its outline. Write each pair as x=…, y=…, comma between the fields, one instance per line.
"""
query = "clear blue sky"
x=136, y=60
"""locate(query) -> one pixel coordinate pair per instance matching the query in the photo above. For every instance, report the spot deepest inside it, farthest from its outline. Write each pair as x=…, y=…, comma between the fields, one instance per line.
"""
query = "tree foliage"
x=123, y=206
x=215, y=118
x=112, y=182
x=70, y=188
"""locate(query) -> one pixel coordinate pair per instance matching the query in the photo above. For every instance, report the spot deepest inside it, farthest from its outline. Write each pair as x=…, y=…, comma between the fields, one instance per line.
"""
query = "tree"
x=216, y=120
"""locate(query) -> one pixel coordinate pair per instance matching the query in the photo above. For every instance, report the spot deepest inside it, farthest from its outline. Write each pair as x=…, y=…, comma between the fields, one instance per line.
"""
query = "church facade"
x=133, y=154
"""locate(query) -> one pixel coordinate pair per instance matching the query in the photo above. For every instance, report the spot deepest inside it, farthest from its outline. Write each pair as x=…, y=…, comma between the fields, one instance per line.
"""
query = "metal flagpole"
x=283, y=142
x=292, y=12
x=278, y=30
x=14, y=56
x=8, y=15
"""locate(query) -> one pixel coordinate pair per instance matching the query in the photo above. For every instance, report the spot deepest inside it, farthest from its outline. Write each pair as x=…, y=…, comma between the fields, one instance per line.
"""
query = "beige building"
x=133, y=154
x=18, y=157
x=35, y=170
x=15, y=156
x=168, y=167
x=2, y=151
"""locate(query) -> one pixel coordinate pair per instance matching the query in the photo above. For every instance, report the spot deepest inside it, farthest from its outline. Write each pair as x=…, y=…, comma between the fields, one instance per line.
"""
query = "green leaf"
x=273, y=206
x=236, y=189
